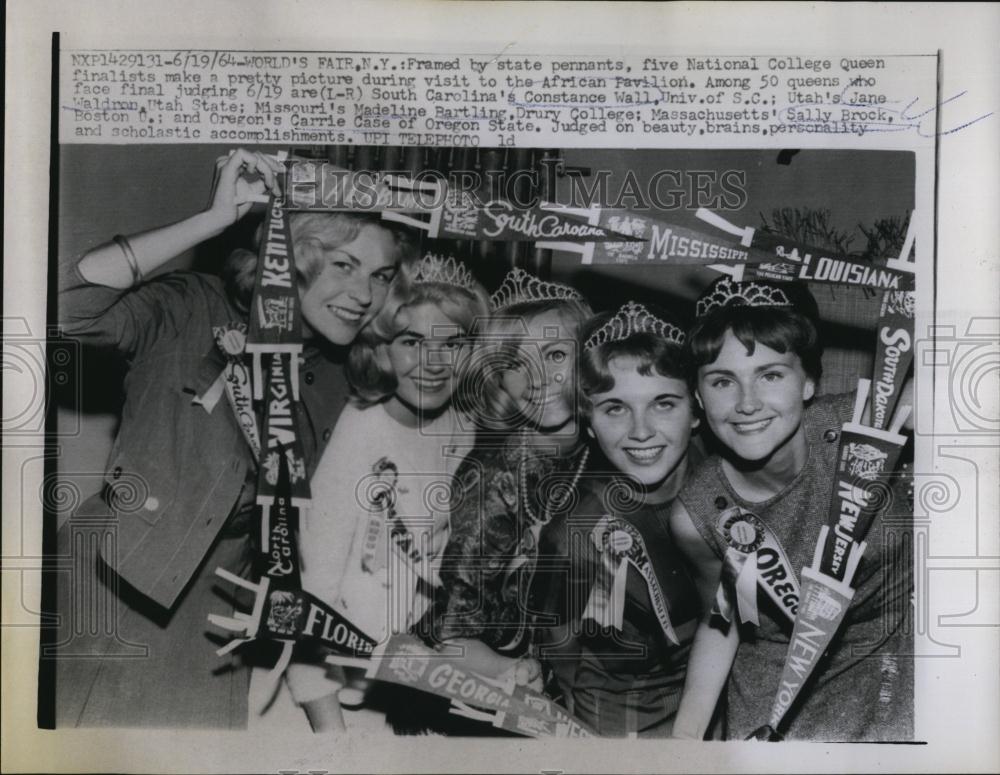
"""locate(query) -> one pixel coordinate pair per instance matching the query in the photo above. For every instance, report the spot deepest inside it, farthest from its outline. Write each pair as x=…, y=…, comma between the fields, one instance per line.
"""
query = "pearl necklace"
x=523, y=482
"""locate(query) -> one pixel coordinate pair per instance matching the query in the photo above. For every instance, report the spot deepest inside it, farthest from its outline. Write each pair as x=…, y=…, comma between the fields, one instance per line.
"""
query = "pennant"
x=235, y=378
x=281, y=437
x=754, y=559
x=792, y=260
x=406, y=661
x=275, y=314
x=893, y=354
x=292, y=615
x=865, y=454
x=661, y=243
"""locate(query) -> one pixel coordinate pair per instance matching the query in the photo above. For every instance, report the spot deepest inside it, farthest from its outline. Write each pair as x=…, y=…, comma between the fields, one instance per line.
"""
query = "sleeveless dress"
x=862, y=689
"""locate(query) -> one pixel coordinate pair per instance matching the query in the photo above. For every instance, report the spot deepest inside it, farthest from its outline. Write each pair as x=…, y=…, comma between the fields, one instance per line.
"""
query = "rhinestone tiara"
x=520, y=286
x=729, y=293
x=433, y=268
x=631, y=319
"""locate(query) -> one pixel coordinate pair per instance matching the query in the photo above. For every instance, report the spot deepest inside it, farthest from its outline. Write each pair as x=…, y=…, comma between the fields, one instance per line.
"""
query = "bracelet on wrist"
x=126, y=248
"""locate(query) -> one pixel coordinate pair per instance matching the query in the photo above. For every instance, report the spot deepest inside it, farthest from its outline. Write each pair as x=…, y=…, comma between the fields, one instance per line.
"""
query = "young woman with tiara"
x=616, y=580
x=764, y=498
x=185, y=448
x=371, y=543
x=526, y=465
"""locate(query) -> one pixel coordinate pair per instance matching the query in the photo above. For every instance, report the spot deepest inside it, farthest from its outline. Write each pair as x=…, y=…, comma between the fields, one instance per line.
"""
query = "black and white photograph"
x=440, y=407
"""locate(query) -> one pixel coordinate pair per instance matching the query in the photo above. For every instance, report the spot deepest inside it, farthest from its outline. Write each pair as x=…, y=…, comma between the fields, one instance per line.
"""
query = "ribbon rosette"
x=620, y=545
x=752, y=546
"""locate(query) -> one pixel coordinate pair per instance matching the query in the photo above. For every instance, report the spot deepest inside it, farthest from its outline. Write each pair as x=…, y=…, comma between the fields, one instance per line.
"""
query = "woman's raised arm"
x=123, y=262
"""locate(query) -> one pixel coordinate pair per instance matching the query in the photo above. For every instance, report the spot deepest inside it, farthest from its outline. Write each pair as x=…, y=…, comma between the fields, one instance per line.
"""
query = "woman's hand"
x=528, y=672
x=240, y=178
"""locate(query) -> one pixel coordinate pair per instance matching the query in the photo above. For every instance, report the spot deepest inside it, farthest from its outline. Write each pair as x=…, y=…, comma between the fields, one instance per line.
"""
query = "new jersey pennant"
x=865, y=455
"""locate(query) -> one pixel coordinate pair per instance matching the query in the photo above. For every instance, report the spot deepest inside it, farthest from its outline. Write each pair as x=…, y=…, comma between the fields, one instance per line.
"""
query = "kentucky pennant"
x=865, y=454
x=275, y=325
x=621, y=545
x=755, y=558
x=791, y=260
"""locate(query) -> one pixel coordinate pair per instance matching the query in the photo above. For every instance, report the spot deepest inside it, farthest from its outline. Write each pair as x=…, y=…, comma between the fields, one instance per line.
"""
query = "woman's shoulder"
x=826, y=413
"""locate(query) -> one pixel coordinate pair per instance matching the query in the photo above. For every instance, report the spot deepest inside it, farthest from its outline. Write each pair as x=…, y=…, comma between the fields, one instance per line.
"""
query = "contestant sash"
x=620, y=546
x=754, y=558
x=864, y=456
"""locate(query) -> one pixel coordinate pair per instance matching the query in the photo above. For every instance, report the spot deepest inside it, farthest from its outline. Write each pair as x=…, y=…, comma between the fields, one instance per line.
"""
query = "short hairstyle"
x=368, y=371
x=313, y=235
x=497, y=344
x=783, y=329
x=653, y=354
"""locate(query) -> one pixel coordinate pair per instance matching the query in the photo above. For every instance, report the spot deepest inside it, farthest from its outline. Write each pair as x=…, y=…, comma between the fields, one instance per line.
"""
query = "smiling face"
x=541, y=377
x=754, y=403
x=351, y=286
x=643, y=423
x=423, y=357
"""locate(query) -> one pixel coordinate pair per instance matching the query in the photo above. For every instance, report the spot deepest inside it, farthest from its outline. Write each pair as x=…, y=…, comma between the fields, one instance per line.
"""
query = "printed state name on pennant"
x=406, y=661
x=282, y=442
x=893, y=354
x=865, y=455
x=275, y=314
x=791, y=260
x=665, y=243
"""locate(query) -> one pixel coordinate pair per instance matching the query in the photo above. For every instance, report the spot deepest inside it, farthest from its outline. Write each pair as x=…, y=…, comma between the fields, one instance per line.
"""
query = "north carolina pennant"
x=621, y=545
x=792, y=260
x=278, y=558
x=754, y=559
x=864, y=455
x=893, y=354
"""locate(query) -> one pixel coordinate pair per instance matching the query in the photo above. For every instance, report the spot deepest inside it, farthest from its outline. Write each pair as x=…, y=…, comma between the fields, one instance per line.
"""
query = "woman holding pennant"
x=628, y=607
x=180, y=485
x=372, y=542
x=806, y=593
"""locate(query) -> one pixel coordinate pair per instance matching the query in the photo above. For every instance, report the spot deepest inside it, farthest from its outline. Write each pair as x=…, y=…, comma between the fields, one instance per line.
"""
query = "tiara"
x=519, y=287
x=631, y=319
x=433, y=268
x=729, y=293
